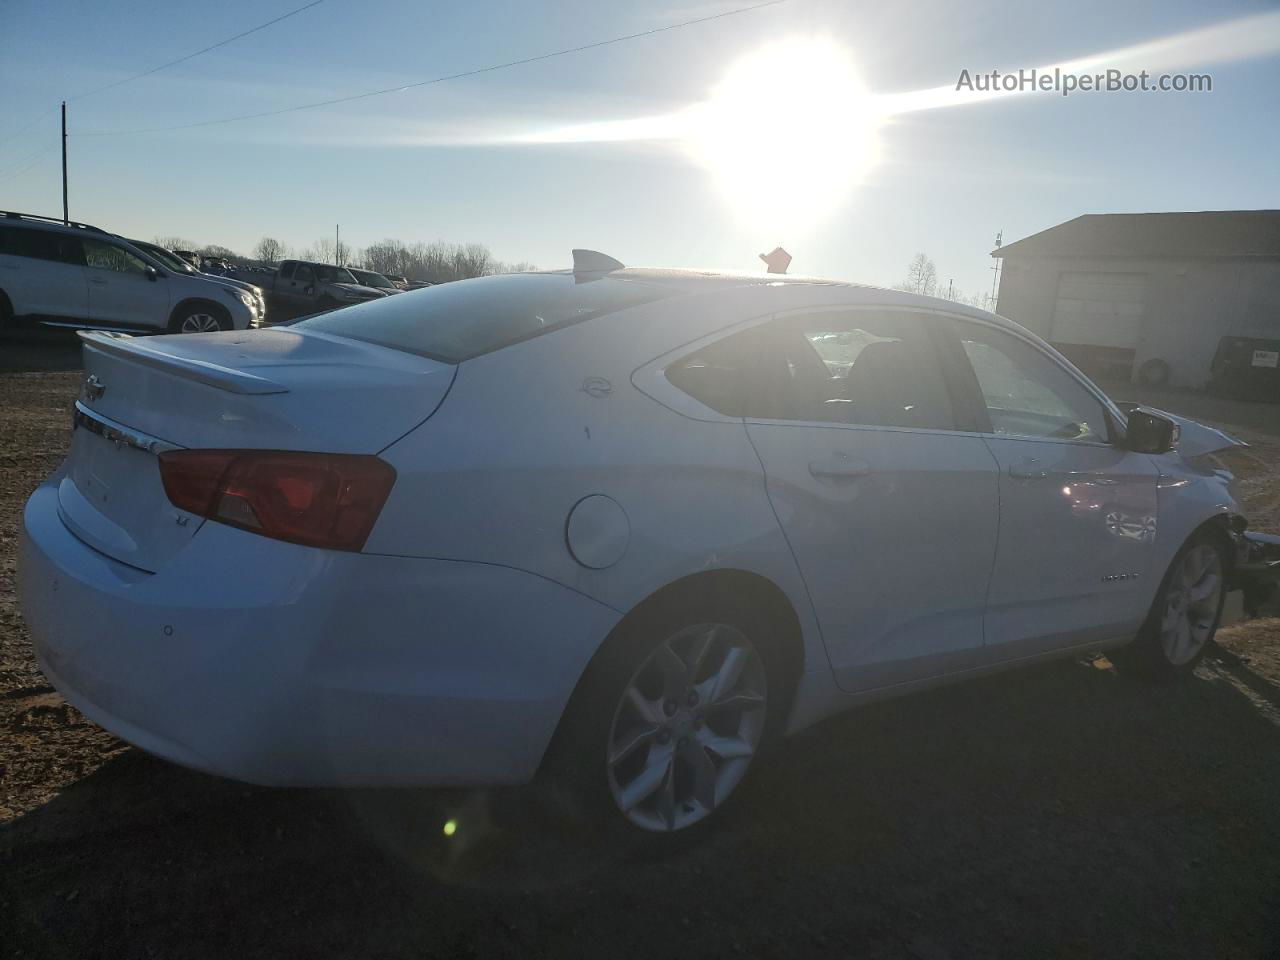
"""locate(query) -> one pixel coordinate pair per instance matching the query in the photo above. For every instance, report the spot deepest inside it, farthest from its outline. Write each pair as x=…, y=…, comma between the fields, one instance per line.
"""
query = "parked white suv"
x=79, y=276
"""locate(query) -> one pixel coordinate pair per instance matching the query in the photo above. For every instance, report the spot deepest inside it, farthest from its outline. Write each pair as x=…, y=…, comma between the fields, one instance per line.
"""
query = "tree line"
x=922, y=277
x=437, y=262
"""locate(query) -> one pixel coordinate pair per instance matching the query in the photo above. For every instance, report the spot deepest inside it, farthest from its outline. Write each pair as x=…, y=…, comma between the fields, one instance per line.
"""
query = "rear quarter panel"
x=523, y=436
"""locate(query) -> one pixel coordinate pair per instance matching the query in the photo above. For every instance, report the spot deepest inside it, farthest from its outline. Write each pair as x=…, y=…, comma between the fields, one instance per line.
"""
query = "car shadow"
x=39, y=351
x=1064, y=810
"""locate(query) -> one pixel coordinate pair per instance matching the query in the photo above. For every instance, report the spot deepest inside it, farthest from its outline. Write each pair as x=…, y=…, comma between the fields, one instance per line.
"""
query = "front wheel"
x=201, y=318
x=672, y=718
x=1186, y=611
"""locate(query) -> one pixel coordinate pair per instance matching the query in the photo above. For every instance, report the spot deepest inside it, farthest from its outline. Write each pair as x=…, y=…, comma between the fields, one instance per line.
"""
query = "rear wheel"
x=1185, y=615
x=668, y=721
x=6, y=312
x=200, y=318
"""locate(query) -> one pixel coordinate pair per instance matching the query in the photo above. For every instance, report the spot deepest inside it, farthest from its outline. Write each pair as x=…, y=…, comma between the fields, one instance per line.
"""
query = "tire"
x=6, y=312
x=670, y=718
x=1154, y=373
x=200, y=317
x=1184, y=617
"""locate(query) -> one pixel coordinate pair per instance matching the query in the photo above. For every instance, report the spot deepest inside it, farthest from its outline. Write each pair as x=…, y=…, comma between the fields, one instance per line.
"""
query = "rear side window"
x=856, y=367
x=460, y=320
x=286, y=269
x=41, y=245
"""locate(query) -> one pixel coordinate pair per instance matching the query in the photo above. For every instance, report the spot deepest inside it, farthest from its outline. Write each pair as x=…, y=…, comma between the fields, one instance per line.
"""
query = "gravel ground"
x=1062, y=811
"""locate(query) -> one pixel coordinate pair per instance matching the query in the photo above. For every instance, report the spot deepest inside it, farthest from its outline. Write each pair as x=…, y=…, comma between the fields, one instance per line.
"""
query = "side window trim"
x=651, y=378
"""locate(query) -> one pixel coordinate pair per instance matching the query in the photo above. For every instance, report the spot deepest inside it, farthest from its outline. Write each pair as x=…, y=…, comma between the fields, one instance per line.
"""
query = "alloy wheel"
x=200, y=323
x=1191, y=604
x=687, y=727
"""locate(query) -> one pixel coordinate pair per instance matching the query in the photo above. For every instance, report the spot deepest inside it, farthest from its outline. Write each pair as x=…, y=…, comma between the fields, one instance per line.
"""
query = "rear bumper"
x=284, y=665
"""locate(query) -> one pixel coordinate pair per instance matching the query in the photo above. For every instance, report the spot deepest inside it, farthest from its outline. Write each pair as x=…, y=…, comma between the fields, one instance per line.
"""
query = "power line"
x=164, y=66
x=17, y=173
x=434, y=80
x=38, y=153
x=21, y=130
x=191, y=56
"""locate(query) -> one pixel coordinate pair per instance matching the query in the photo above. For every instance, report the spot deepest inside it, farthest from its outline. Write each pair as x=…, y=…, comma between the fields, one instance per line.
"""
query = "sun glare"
x=787, y=134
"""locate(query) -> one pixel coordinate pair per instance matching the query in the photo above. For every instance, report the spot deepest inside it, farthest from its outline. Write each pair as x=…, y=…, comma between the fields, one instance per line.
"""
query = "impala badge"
x=93, y=387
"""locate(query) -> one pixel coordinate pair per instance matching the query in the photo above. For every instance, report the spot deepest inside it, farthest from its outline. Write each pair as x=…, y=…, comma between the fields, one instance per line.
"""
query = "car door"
x=42, y=272
x=123, y=288
x=889, y=508
x=1077, y=511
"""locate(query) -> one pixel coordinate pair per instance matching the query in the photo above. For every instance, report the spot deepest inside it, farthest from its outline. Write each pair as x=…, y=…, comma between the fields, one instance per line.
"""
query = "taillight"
x=318, y=499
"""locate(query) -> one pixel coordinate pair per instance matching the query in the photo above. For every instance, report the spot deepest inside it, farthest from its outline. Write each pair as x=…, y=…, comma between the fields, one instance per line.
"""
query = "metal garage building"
x=1149, y=294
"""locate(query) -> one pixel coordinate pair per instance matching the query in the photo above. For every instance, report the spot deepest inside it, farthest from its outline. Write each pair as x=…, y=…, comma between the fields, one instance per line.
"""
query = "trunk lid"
x=280, y=389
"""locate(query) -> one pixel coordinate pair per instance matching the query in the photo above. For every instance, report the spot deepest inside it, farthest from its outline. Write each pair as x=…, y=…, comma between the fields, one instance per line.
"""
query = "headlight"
x=240, y=295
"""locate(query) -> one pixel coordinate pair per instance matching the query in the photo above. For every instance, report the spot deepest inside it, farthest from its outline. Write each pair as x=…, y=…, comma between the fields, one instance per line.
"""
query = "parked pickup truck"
x=302, y=286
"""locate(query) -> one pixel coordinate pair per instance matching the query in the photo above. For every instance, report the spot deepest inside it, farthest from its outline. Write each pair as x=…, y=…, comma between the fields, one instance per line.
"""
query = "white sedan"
x=623, y=523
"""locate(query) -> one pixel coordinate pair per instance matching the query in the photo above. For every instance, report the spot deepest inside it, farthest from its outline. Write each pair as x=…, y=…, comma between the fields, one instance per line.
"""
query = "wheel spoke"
x=675, y=674
x=632, y=743
x=1204, y=589
x=726, y=748
x=647, y=782
x=667, y=796
x=650, y=711
x=698, y=655
x=730, y=672
x=742, y=700
x=704, y=774
x=1184, y=639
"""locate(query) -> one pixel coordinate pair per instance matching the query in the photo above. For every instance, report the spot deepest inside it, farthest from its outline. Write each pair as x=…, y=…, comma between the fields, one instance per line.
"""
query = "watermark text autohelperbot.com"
x=1066, y=83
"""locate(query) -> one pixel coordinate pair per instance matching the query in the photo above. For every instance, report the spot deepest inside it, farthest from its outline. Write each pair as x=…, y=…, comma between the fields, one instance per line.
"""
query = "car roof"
x=694, y=282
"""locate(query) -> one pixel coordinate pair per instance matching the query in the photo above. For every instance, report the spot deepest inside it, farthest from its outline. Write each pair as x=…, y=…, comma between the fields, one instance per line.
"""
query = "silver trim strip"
x=118, y=433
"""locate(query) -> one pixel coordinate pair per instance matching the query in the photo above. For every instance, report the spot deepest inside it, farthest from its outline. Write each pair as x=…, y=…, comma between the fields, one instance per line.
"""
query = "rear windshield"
x=460, y=320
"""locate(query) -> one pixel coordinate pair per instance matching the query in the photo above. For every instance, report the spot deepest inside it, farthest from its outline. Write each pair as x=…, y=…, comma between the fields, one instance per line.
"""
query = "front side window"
x=1027, y=393
x=855, y=367
x=107, y=256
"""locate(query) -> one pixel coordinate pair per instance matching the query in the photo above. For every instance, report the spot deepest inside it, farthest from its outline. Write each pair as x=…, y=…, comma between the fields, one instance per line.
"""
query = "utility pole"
x=66, y=219
x=951, y=287
x=337, y=243
x=995, y=273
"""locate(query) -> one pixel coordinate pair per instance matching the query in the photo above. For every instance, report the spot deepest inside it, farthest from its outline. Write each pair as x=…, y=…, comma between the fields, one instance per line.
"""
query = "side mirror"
x=153, y=274
x=1150, y=432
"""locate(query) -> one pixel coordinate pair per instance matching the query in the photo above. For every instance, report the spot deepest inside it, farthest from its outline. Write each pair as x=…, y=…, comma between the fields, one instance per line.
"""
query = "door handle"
x=98, y=280
x=839, y=466
x=1028, y=470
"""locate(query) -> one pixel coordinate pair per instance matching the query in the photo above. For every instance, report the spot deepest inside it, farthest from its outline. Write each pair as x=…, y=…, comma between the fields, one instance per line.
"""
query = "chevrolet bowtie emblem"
x=93, y=387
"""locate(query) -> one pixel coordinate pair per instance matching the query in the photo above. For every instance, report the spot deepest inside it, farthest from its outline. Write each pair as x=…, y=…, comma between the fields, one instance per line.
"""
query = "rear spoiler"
x=137, y=350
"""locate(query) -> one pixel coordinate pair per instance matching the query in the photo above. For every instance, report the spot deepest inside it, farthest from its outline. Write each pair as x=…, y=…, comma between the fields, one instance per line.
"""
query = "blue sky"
x=438, y=162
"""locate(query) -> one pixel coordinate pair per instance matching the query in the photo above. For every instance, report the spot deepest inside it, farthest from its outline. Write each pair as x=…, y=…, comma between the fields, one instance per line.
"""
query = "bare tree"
x=520, y=266
x=922, y=276
x=322, y=251
x=270, y=250
x=215, y=251
x=174, y=243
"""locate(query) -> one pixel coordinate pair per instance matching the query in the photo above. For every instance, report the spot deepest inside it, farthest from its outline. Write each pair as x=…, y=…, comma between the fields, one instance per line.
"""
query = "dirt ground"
x=1062, y=811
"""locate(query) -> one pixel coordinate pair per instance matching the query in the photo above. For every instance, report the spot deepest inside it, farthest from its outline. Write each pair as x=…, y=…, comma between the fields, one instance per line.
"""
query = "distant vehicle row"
x=80, y=276
x=74, y=275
